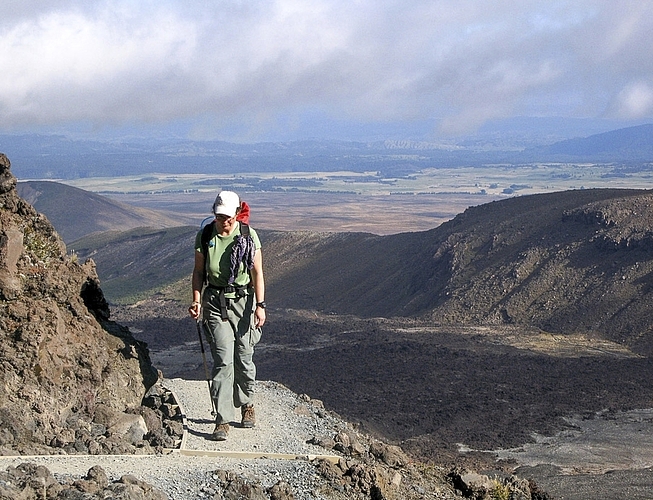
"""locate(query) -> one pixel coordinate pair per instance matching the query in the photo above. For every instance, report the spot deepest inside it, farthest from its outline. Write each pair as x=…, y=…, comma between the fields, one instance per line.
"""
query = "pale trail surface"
x=285, y=422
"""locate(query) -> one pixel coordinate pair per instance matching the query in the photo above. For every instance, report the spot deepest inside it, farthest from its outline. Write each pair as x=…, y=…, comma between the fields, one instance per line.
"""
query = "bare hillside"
x=76, y=213
x=573, y=261
x=137, y=263
x=563, y=262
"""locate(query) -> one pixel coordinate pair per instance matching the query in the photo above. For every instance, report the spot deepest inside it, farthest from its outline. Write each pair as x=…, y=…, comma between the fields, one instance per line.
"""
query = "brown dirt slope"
x=134, y=264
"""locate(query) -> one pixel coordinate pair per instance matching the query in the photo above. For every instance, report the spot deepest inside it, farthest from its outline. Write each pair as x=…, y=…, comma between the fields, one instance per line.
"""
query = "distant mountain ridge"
x=58, y=157
x=570, y=262
x=628, y=144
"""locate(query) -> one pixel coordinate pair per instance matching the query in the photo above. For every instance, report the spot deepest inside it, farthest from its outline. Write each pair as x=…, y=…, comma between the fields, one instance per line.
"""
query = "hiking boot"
x=220, y=432
x=249, y=418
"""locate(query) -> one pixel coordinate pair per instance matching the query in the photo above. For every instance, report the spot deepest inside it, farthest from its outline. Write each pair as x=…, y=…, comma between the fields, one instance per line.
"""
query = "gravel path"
x=285, y=422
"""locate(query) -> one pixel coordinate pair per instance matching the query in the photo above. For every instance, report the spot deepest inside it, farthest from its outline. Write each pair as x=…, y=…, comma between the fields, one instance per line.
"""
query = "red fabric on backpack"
x=243, y=215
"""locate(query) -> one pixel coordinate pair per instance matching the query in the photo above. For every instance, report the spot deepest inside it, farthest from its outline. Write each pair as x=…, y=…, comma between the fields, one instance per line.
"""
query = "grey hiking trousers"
x=232, y=346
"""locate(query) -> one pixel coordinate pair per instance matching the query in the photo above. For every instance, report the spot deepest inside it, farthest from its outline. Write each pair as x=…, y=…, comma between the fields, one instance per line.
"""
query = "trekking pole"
x=206, y=369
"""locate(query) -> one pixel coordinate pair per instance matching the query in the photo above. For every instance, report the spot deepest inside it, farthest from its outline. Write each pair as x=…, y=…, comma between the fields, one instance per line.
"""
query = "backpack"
x=207, y=231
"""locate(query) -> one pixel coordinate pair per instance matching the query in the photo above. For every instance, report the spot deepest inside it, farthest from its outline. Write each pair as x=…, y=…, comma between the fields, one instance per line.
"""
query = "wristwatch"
x=261, y=305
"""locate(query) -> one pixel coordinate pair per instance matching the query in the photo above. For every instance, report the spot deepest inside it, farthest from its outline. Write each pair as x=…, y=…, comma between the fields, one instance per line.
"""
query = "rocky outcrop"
x=576, y=261
x=61, y=359
x=32, y=482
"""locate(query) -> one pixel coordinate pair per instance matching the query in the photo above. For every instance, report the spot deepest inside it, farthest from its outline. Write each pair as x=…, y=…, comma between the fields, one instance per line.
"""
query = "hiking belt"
x=240, y=291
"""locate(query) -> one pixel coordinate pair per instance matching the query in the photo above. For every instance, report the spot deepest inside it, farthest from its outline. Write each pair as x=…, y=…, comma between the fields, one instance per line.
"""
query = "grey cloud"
x=463, y=62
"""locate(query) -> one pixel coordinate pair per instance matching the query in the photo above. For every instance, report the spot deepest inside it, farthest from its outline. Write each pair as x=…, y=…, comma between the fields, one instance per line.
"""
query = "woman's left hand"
x=259, y=314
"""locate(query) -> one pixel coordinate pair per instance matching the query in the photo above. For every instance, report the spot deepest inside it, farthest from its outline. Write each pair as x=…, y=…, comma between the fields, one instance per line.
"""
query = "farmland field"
x=350, y=201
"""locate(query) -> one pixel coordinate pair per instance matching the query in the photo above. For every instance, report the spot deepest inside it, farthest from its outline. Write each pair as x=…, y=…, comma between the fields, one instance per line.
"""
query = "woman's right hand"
x=194, y=310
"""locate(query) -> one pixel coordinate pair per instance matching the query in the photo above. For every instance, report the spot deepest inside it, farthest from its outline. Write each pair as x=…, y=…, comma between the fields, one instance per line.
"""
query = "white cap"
x=227, y=203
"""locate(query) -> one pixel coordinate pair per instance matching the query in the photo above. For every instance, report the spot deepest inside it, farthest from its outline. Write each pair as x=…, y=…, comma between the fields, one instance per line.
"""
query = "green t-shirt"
x=218, y=265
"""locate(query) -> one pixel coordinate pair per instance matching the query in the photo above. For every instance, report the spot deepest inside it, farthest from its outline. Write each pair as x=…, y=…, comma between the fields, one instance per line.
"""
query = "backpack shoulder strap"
x=208, y=230
x=206, y=236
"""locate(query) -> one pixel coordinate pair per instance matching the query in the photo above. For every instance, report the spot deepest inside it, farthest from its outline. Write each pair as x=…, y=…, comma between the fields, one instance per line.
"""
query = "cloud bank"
x=251, y=65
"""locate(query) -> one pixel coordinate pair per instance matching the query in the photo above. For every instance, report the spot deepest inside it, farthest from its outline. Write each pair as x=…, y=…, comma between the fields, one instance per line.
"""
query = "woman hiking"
x=232, y=307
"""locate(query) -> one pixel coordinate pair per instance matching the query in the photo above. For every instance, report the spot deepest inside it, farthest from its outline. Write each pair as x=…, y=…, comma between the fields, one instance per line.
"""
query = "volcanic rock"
x=61, y=358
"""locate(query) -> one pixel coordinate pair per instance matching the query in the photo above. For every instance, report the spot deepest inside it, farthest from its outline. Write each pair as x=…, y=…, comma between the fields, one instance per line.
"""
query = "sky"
x=250, y=70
